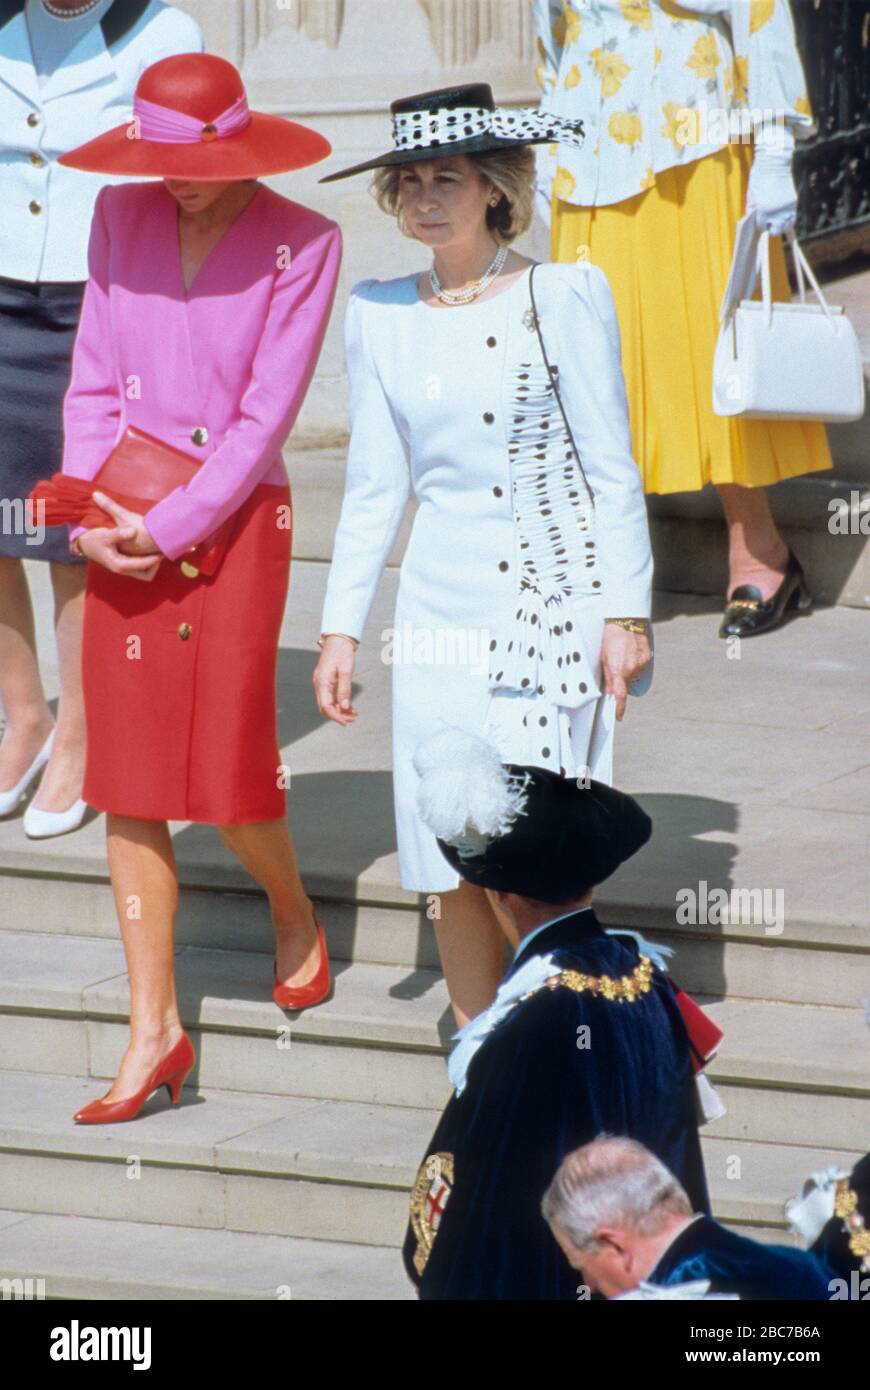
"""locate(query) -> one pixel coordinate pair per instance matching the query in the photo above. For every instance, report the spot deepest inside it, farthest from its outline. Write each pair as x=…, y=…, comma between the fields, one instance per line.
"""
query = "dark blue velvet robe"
x=736, y=1264
x=531, y=1096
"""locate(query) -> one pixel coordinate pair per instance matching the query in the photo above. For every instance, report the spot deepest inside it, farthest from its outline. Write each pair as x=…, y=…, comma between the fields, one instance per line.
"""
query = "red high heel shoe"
x=317, y=988
x=171, y=1073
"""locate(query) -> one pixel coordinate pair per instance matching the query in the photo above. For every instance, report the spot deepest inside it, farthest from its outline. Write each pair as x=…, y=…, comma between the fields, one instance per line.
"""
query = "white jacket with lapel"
x=47, y=209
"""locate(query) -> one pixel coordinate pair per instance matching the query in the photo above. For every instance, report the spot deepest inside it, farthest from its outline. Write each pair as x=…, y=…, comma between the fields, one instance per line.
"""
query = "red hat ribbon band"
x=168, y=127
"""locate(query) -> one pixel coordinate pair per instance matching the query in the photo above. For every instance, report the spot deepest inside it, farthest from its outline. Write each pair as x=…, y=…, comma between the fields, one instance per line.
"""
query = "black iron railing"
x=833, y=166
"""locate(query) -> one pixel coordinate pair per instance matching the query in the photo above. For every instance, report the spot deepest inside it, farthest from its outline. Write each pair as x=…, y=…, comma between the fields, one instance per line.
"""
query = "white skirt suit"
x=510, y=571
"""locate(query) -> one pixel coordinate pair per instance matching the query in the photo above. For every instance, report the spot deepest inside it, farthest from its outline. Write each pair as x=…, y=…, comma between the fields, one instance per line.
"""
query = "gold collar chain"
x=854, y=1226
x=625, y=990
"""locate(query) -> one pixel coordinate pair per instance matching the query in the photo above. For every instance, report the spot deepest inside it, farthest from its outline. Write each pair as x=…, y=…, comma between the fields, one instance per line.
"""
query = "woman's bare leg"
x=145, y=887
x=757, y=554
x=266, y=850
x=28, y=718
x=61, y=783
x=471, y=945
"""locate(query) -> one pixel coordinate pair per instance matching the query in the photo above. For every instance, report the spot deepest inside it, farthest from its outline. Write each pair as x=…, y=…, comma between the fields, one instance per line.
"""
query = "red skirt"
x=180, y=680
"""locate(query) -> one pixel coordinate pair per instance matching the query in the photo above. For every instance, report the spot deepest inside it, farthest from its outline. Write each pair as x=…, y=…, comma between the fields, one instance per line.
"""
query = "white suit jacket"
x=404, y=435
x=47, y=209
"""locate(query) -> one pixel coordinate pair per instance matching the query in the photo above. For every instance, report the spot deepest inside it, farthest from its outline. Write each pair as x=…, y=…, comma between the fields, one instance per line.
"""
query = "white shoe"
x=41, y=825
x=10, y=799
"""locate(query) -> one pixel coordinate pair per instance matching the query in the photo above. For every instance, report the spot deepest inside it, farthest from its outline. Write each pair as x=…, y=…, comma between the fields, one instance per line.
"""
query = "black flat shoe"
x=747, y=613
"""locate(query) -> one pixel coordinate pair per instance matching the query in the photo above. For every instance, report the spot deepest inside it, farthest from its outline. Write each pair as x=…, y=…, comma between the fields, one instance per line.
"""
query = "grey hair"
x=510, y=171
x=612, y=1182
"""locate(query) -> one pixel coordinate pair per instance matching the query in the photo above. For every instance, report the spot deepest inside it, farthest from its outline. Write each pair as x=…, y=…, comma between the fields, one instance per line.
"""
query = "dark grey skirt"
x=37, y=331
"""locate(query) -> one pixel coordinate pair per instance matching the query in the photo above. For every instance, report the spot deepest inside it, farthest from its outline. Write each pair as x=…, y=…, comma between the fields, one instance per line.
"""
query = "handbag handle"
x=554, y=385
x=803, y=272
x=803, y=269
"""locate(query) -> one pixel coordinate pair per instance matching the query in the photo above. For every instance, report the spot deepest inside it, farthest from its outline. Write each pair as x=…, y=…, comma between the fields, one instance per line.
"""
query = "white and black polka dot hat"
x=462, y=120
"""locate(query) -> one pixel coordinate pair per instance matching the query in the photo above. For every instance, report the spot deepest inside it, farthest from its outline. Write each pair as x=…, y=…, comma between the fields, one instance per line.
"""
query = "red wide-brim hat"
x=191, y=120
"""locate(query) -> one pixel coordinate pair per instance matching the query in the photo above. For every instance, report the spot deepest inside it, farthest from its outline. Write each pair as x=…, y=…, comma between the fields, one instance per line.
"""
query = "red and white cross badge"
x=429, y=1197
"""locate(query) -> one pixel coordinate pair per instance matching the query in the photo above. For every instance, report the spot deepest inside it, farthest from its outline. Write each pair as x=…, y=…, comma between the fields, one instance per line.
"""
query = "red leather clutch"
x=140, y=471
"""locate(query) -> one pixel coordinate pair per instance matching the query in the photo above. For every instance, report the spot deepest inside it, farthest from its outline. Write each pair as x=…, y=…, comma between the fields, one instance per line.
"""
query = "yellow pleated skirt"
x=667, y=254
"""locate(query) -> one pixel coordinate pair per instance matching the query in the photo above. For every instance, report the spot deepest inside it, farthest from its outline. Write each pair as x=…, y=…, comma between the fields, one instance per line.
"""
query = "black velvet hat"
x=462, y=120
x=523, y=830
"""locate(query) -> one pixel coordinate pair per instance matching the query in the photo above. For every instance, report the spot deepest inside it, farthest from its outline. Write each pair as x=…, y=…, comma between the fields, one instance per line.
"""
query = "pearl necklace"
x=473, y=290
x=60, y=13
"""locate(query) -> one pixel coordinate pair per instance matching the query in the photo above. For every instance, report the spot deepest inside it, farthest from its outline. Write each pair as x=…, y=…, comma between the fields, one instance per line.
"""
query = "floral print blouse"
x=659, y=84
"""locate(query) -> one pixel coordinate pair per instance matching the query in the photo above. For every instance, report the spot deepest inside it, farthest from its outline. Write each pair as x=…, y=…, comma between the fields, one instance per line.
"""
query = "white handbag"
x=783, y=361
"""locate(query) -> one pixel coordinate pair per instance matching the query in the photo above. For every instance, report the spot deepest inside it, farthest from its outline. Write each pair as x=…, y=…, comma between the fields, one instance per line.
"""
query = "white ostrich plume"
x=466, y=795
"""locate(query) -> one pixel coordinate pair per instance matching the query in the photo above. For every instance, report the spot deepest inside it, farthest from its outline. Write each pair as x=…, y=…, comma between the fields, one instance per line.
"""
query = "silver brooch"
x=529, y=320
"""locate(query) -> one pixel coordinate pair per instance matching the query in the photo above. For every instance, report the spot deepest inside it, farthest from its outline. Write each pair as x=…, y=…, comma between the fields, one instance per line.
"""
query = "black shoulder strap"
x=555, y=385
x=120, y=18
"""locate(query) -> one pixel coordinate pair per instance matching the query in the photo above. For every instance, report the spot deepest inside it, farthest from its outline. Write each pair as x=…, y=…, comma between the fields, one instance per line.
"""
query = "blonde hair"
x=510, y=171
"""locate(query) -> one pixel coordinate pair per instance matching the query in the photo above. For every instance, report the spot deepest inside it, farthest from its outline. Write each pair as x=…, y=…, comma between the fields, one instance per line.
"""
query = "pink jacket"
x=220, y=370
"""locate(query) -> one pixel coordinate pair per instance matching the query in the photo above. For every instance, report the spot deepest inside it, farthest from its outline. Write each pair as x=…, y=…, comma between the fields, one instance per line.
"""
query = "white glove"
x=772, y=194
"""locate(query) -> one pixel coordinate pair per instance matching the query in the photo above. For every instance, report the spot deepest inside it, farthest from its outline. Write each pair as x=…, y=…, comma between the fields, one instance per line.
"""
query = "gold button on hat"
x=199, y=435
x=184, y=631
x=36, y=160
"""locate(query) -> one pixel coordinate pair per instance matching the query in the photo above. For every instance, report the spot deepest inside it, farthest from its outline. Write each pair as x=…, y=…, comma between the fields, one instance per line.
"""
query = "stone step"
x=279, y=1165
x=223, y=919
x=755, y=969
x=291, y=1166
x=80, y=1257
x=788, y=1116
x=382, y=1038
x=751, y=1182
x=106, y=1261
x=809, y=962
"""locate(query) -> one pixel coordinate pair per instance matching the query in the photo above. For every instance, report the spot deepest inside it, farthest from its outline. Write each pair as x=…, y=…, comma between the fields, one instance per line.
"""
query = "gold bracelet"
x=323, y=636
x=638, y=625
